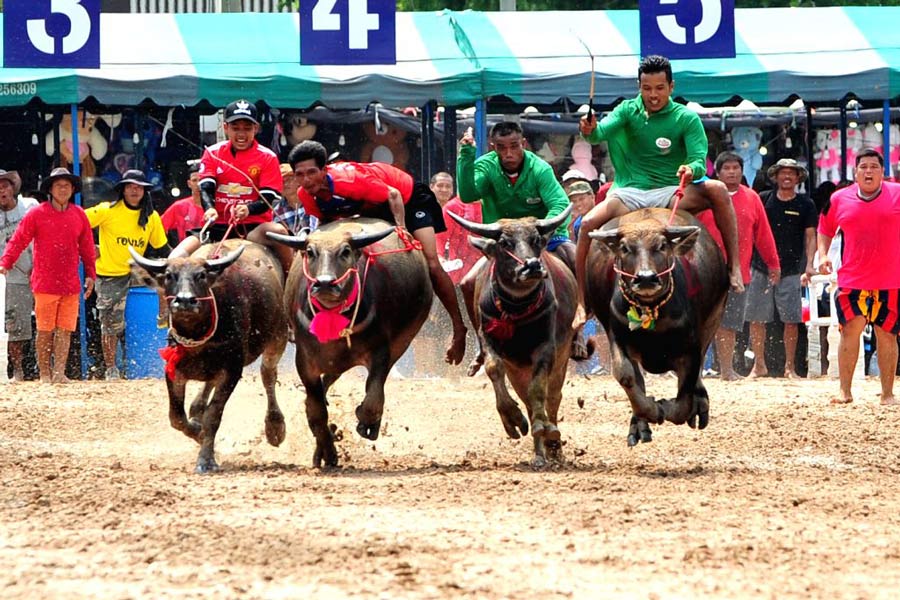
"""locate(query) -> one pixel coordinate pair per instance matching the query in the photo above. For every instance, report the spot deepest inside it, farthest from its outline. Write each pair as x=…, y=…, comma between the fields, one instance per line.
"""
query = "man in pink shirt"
x=456, y=253
x=753, y=232
x=187, y=213
x=61, y=234
x=868, y=214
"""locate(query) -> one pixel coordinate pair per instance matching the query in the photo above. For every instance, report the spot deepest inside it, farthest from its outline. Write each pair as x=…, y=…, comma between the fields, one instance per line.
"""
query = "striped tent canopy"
x=456, y=58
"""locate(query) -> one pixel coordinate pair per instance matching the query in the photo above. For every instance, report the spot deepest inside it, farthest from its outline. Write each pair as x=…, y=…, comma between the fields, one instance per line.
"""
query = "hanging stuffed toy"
x=854, y=146
x=386, y=144
x=827, y=155
x=581, y=157
x=91, y=143
x=746, y=141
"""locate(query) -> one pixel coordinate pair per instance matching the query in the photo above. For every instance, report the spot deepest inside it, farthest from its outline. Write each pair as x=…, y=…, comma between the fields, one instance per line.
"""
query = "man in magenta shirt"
x=753, y=232
x=456, y=253
x=868, y=214
x=61, y=234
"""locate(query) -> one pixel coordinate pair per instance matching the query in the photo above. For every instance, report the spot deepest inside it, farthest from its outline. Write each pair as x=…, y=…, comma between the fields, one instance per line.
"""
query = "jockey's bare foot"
x=61, y=379
x=457, y=348
x=842, y=399
x=581, y=348
x=736, y=280
x=754, y=374
x=476, y=364
x=889, y=401
x=580, y=317
x=46, y=379
x=790, y=374
x=732, y=376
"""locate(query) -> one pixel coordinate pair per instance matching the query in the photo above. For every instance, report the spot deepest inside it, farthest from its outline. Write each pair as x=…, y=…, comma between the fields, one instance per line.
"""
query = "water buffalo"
x=524, y=305
x=351, y=303
x=659, y=290
x=224, y=313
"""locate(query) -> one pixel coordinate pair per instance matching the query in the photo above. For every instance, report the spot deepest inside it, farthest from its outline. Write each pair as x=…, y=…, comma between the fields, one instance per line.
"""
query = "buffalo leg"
x=317, y=417
x=370, y=411
x=212, y=418
x=554, y=398
x=275, y=428
x=514, y=422
x=686, y=406
x=177, y=418
x=198, y=406
x=629, y=376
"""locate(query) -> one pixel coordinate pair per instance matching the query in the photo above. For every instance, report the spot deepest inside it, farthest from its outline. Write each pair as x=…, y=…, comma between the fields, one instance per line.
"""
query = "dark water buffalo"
x=225, y=313
x=524, y=305
x=352, y=302
x=659, y=291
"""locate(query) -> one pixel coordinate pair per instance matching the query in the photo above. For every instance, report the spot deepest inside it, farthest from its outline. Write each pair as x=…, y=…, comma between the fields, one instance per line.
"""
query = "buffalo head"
x=184, y=281
x=645, y=254
x=329, y=259
x=515, y=246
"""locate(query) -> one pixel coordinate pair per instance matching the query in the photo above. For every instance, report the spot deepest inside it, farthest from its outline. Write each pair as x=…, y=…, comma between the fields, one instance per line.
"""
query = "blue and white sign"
x=687, y=28
x=348, y=32
x=51, y=34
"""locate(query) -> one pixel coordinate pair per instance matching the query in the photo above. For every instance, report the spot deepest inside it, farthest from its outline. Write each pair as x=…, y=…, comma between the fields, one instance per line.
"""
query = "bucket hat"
x=13, y=178
x=133, y=176
x=60, y=173
x=787, y=163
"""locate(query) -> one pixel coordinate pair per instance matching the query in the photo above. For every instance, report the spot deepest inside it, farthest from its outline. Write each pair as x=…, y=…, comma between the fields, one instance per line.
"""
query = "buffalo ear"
x=610, y=239
x=151, y=280
x=487, y=246
x=682, y=238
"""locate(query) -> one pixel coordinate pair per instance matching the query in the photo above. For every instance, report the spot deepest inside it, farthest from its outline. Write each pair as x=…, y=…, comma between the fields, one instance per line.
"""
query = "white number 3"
x=79, y=32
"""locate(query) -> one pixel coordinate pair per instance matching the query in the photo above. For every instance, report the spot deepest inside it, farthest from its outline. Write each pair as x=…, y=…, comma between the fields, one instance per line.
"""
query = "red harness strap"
x=503, y=327
x=679, y=194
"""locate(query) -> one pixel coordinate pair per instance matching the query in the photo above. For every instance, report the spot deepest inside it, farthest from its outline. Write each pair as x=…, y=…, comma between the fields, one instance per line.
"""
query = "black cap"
x=241, y=109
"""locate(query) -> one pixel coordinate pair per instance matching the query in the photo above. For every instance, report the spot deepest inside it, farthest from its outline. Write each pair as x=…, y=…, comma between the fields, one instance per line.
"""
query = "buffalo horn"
x=545, y=226
x=361, y=240
x=298, y=241
x=220, y=264
x=491, y=231
x=150, y=265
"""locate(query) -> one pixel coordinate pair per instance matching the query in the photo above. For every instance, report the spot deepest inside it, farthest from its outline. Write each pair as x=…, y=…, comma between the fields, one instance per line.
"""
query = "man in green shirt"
x=652, y=142
x=511, y=183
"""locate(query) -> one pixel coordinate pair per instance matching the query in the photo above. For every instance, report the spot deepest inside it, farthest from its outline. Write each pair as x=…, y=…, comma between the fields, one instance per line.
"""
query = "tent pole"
x=843, y=128
x=480, y=126
x=450, y=137
x=810, y=142
x=427, y=141
x=886, y=136
x=76, y=170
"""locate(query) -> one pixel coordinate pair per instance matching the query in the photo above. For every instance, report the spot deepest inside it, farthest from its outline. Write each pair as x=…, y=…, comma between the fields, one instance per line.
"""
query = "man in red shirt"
x=345, y=189
x=753, y=232
x=187, y=213
x=240, y=181
x=61, y=234
x=457, y=254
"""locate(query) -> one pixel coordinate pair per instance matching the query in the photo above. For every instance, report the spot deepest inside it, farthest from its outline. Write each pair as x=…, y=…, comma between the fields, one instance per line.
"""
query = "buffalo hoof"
x=325, y=453
x=538, y=462
x=275, y=429
x=516, y=425
x=475, y=365
x=206, y=466
x=193, y=430
x=554, y=450
x=639, y=431
x=367, y=430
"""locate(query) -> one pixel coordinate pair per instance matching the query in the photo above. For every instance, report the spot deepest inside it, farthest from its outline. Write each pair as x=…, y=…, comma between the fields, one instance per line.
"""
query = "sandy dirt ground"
x=781, y=496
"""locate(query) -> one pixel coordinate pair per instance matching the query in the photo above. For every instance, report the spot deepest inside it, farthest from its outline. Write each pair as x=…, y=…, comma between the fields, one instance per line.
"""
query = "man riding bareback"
x=240, y=181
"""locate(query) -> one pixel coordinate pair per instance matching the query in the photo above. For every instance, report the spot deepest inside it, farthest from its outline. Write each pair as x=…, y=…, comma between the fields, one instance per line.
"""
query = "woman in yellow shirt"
x=129, y=221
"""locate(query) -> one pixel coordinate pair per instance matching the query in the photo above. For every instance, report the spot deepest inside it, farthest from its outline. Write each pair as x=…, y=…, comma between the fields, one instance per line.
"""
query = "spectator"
x=61, y=235
x=868, y=214
x=792, y=217
x=19, y=299
x=456, y=253
x=753, y=232
x=289, y=211
x=130, y=221
x=187, y=213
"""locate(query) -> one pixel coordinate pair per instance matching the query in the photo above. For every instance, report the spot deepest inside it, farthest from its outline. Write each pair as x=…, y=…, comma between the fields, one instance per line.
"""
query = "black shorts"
x=216, y=231
x=423, y=210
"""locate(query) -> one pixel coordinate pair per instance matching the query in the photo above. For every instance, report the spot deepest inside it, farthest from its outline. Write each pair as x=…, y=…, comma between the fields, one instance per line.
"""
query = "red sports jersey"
x=355, y=185
x=236, y=174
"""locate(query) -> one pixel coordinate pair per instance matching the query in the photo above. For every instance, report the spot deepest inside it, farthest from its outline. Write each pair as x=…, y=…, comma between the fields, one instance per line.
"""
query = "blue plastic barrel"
x=142, y=338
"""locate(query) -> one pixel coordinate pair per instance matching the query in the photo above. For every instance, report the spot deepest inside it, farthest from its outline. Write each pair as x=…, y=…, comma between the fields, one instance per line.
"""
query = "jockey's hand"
x=240, y=212
x=468, y=138
x=210, y=215
x=685, y=169
x=588, y=124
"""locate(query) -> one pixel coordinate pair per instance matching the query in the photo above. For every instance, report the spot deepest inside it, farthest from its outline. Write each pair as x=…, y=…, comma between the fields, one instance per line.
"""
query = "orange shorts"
x=53, y=311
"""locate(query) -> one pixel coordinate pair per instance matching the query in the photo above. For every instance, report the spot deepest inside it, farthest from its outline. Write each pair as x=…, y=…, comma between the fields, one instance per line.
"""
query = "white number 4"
x=359, y=21
x=79, y=32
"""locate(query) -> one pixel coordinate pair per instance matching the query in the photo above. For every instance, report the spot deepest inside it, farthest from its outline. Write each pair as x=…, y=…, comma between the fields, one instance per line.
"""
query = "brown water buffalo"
x=352, y=303
x=224, y=313
x=659, y=290
x=524, y=305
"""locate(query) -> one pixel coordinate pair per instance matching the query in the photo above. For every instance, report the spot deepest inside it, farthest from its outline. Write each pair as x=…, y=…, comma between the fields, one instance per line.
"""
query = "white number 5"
x=79, y=32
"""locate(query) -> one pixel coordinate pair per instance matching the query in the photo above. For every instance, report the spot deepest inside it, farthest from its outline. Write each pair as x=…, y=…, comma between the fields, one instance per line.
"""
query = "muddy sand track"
x=781, y=496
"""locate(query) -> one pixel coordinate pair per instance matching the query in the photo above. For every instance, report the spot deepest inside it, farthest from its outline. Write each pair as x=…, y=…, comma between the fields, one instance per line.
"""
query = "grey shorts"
x=19, y=306
x=633, y=198
x=735, y=308
x=112, y=292
x=763, y=299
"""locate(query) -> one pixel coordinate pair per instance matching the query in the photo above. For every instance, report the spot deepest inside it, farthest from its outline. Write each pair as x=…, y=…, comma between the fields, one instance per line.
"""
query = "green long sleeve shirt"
x=646, y=149
x=536, y=192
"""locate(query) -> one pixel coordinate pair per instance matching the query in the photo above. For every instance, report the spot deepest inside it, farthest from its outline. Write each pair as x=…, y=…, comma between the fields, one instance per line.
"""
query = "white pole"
x=4, y=337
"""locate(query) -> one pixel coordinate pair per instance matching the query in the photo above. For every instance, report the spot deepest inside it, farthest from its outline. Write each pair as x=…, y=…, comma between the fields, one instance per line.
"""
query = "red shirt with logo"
x=356, y=187
x=238, y=176
x=182, y=216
